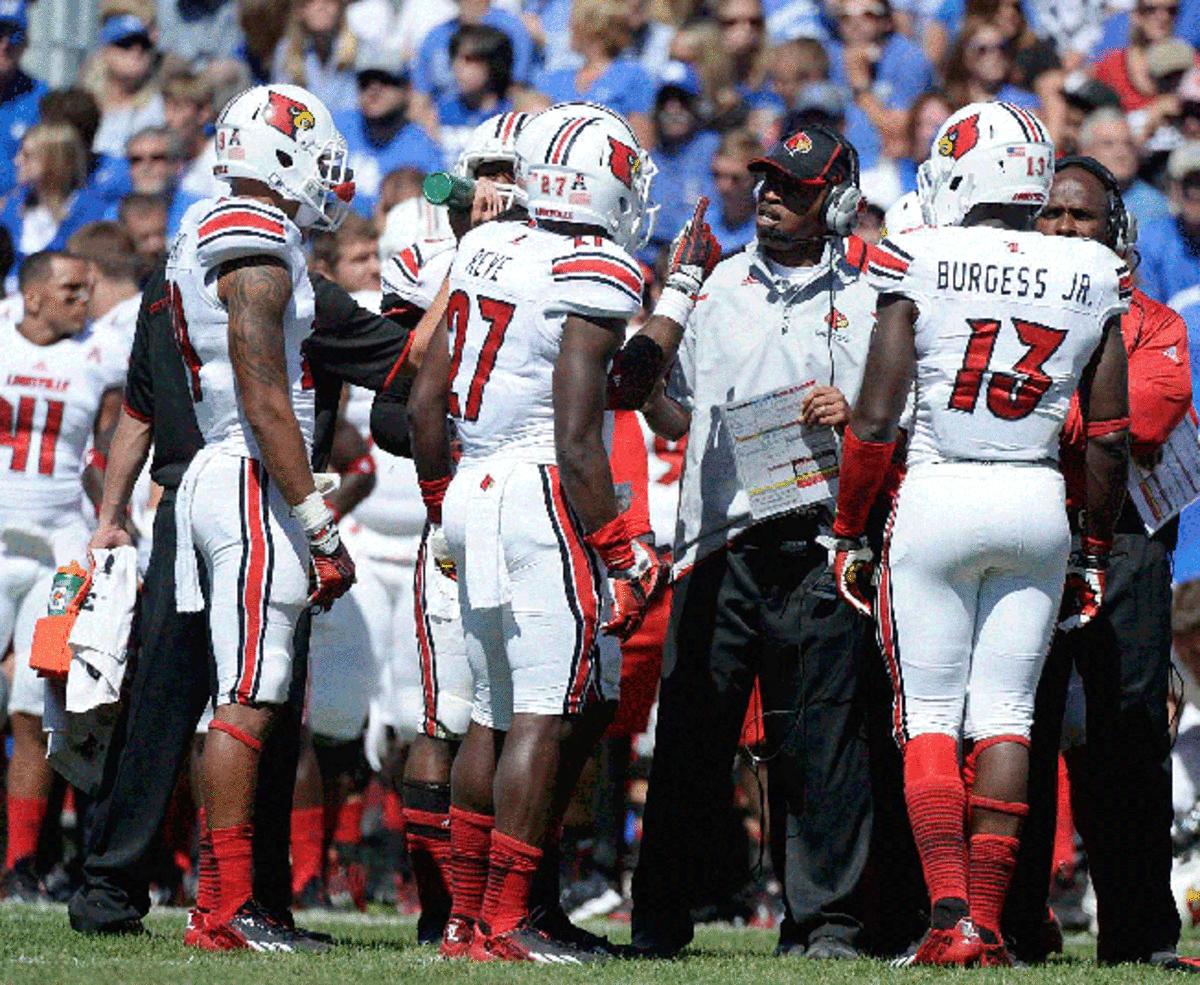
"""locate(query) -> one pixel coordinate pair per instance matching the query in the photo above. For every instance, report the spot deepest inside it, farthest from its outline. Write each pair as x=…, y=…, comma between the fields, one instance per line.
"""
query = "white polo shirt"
x=758, y=327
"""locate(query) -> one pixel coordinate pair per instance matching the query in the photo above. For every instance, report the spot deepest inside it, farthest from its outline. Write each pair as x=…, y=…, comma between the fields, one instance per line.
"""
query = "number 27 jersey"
x=512, y=287
x=1007, y=322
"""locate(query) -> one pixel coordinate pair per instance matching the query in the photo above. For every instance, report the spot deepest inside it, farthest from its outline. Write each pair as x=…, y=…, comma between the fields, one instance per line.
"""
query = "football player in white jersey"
x=536, y=312
x=59, y=391
x=242, y=305
x=999, y=327
x=431, y=689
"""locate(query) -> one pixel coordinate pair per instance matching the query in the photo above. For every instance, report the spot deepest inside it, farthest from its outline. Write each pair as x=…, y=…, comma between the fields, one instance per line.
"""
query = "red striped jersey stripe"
x=882, y=257
x=251, y=221
x=603, y=267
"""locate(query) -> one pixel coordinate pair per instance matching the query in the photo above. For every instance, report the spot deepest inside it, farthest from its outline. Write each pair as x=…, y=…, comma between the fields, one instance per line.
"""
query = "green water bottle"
x=443, y=188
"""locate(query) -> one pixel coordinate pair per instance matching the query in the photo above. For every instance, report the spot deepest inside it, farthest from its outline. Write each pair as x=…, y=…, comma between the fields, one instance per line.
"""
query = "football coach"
x=754, y=599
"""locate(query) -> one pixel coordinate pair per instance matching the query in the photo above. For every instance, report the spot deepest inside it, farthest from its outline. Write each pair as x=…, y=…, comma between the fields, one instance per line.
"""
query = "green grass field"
x=36, y=947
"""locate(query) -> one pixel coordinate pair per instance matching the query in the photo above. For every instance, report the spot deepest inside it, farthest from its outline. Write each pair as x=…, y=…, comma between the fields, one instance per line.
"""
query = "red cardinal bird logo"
x=287, y=115
x=960, y=138
x=799, y=143
x=624, y=161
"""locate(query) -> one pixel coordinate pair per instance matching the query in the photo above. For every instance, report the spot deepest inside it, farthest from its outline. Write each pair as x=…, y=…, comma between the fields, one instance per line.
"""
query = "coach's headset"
x=845, y=198
x=1120, y=230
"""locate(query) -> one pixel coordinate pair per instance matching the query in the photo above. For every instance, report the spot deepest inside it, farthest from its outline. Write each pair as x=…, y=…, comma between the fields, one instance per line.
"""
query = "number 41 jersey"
x=512, y=287
x=1007, y=322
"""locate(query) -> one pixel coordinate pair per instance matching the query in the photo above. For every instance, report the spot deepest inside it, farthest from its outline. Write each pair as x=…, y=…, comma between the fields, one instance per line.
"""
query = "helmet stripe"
x=574, y=137
x=508, y=122
x=1034, y=122
x=1012, y=111
x=563, y=135
x=550, y=151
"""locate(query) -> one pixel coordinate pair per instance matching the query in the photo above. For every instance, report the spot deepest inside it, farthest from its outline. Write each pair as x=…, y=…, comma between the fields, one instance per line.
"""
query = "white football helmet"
x=579, y=162
x=283, y=136
x=986, y=153
x=904, y=215
x=494, y=140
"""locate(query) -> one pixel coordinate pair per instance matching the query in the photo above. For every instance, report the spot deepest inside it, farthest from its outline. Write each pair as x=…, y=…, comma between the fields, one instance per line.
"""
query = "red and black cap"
x=813, y=155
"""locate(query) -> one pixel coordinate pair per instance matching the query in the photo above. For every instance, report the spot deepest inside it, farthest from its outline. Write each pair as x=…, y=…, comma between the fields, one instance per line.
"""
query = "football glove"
x=439, y=550
x=1083, y=594
x=694, y=254
x=635, y=576
x=853, y=565
x=331, y=569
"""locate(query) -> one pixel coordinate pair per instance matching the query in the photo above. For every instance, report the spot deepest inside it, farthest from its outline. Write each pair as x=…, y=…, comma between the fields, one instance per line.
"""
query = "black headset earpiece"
x=1120, y=232
x=844, y=200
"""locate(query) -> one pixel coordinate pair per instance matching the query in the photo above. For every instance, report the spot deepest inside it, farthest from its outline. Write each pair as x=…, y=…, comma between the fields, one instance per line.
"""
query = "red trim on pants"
x=886, y=630
x=425, y=648
x=255, y=589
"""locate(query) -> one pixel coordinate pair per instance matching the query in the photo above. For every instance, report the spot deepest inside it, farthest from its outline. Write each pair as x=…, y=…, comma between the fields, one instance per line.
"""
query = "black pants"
x=1121, y=780
x=765, y=607
x=171, y=685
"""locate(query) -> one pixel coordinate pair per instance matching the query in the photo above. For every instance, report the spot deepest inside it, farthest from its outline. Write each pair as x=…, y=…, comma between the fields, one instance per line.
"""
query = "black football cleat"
x=253, y=928
x=523, y=943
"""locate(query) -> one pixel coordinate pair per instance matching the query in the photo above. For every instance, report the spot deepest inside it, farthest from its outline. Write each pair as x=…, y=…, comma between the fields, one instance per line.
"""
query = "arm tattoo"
x=256, y=292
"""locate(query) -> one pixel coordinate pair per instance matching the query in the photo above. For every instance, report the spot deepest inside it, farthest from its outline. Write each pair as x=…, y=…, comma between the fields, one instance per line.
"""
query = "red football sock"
x=993, y=859
x=235, y=867
x=208, y=889
x=25, y=816
x=511, y=868
x=428, y=841
x=937, y=808
x=470, y=845
x=348, y=830
x=308, y=840
x=393, y=812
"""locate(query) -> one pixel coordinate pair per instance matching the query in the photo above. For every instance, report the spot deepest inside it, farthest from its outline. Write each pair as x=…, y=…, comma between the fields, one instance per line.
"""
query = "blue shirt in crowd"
x=684, y=174
x=1145, y=201
x=1170, y=260
x=457, y=120
x=18, y=112
x=431, y=71
x=731, y=238
x=624, y=86
x=901, y=75
x=83, y=208
x=411, y=147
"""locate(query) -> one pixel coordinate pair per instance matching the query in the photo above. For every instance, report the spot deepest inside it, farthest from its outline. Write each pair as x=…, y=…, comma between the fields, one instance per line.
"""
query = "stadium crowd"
x=106, y=170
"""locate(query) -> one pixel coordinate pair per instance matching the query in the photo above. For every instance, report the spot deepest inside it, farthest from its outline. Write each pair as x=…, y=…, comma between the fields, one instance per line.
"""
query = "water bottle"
x=443, y=188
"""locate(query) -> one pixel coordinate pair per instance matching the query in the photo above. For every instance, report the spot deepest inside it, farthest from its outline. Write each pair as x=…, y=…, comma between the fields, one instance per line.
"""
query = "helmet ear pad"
x=842, y=206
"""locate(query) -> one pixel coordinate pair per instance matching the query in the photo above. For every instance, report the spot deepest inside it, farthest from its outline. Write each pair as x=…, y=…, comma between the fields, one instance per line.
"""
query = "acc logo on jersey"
x=960, y=138
x=287, y=115
x=624, y=161
x=799, y=143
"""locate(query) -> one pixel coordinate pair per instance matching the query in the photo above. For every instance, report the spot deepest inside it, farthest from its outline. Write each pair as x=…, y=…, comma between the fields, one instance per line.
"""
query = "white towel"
x=100, y=637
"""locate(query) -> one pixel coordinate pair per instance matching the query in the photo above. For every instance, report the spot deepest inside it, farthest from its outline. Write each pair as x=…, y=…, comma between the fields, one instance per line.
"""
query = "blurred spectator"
x=481, y=58
x=743, y=45
x=1105, y=135
x=980, y=69
x=1074, y=27
x=649, y=40
x=699, y=44
x=145, y=219
x=378, y=132
x=684, y=151
x=19, y=93
x=788, y=20
x=1126, y=70
x=1189, y=106
x=884, y=70
x=925, y=119
x=1080, y=97
x=263, y=24
x=155, y=157
x=108, y=177
x=1167, y=62
x=46, y=206
x=600, y=33
x=226, y=79
x=1036, y=65
x=432, y=73
x=414, y=21
x=824, y=102
x=397, y=186
x=793, y=65
x=318, y=52
x=108, y=247
x=188, y=107
x=199, y=31
x=350, y=256
x=732, y=214
x=1170, y=246
x=548, y=24
x=122, y=80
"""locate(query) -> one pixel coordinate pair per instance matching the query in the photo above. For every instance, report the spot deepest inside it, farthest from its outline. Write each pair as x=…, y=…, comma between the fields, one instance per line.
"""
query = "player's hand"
x=825, y=405
x=331, y=572
x=633, y=589
x=853, y=565
x=108, y=537
x=439, y=550
x=694, y=253
x=487, y=203
x=1083, y=594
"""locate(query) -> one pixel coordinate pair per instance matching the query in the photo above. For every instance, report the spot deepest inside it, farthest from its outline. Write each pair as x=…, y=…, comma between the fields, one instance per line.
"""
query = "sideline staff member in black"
x=171, y=679
x=755, y=599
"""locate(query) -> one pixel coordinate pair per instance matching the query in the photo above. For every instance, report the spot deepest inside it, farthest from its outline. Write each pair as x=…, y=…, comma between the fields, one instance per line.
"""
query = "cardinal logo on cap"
x=799, y=143
x=960, y=138
x=287, y=115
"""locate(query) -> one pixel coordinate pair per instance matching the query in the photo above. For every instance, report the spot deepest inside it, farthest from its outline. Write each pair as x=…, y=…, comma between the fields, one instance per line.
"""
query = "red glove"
x=1083, y=594
x=330, y=574
x=694, y=254
x=635, y=576
x=433, y=491
x=853, y=566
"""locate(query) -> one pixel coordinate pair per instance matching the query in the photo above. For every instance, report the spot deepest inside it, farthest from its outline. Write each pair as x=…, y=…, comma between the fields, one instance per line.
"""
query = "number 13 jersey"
x=512, y=287
x=1007, y=322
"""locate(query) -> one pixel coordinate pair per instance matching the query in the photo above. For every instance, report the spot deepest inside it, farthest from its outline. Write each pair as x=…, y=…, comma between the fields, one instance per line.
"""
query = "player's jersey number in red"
x=1011, y=396
x=17, y=430
x=497, y=315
